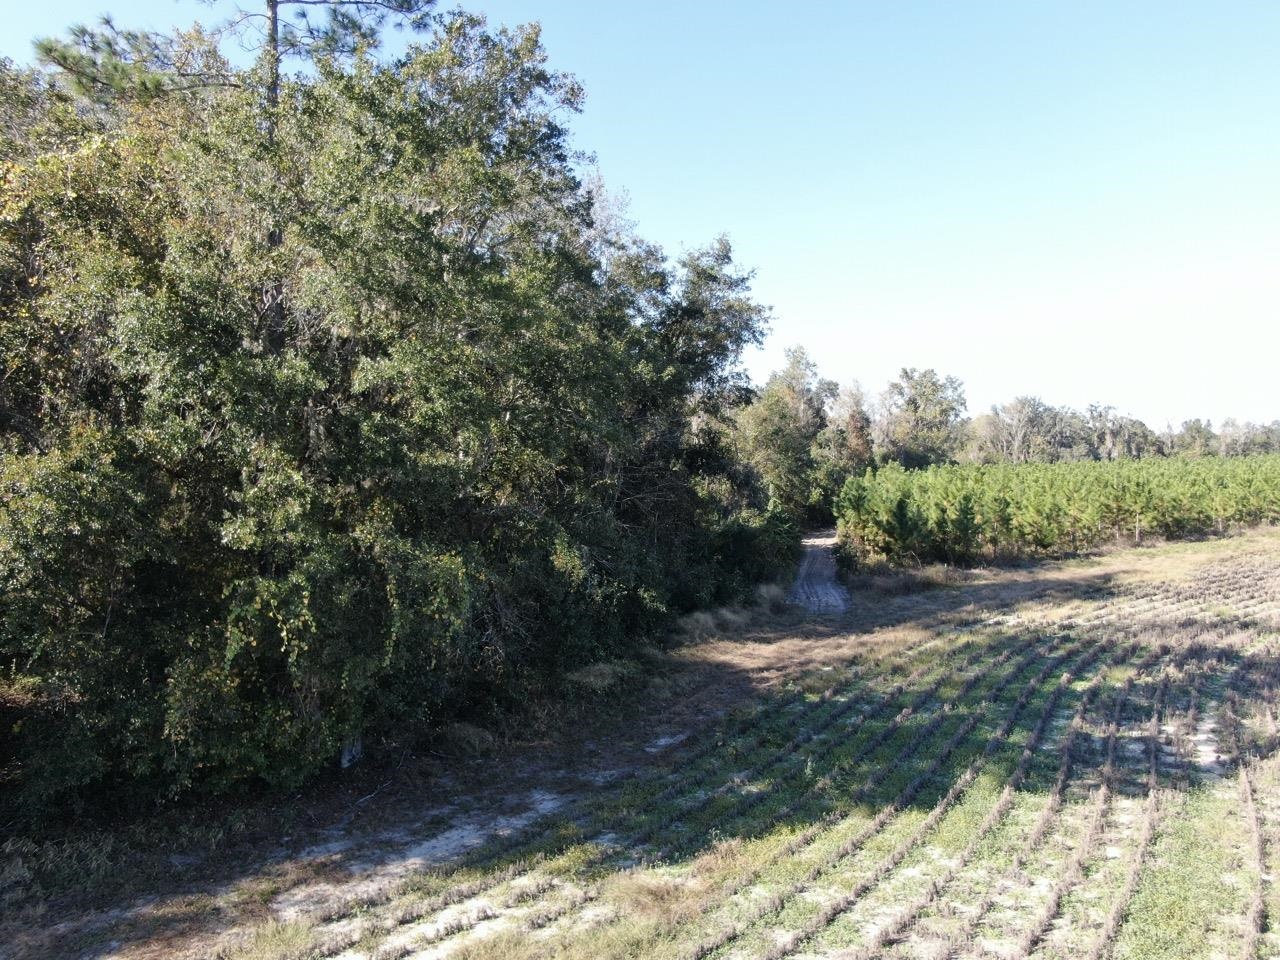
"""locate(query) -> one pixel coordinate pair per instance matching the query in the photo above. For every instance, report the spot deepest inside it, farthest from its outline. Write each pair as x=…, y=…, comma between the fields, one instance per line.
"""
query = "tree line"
x=803, y=435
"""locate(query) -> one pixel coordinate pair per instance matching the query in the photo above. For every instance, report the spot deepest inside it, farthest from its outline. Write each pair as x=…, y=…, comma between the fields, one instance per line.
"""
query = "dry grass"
x=654, y=896
x=468, y=740
x=277, y=941
x=605, y=677
x=894, y=582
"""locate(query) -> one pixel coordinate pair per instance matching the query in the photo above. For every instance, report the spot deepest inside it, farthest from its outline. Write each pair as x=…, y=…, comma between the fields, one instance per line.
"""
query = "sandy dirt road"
x=815, y=588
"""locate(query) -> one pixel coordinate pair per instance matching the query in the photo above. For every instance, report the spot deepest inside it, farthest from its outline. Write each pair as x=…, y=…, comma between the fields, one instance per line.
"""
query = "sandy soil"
x=815, y=588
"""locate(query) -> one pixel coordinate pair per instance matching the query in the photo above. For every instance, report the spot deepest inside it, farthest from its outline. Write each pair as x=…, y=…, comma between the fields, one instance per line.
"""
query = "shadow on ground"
x=731, y=733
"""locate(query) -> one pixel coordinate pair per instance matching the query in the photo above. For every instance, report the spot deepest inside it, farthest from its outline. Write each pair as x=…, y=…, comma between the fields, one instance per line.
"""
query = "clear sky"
x=1078, y=200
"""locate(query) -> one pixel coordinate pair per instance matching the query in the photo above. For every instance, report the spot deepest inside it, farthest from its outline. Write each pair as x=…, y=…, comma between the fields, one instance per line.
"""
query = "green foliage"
x=1028, y=429
x=753, y=547
x=343, y=427
x=959, y=513
x=802, y=439
x=106, y=63
x=922, y=419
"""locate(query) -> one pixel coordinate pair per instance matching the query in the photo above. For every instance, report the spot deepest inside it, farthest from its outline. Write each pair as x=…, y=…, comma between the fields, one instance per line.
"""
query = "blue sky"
x=1078, y=200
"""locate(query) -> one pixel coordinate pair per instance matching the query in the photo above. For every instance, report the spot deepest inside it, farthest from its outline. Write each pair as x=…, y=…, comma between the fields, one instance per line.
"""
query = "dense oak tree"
x=338, y=426
x=921, y=419
x=780, y=430
x=1026, y=429
x=802, y=437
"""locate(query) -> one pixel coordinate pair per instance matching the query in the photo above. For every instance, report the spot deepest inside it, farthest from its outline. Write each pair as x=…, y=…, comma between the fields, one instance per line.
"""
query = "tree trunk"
x=273, y=67
x=273, y=296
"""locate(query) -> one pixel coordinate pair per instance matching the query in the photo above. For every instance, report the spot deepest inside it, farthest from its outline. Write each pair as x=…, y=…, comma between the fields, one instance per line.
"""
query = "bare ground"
x=815, y=588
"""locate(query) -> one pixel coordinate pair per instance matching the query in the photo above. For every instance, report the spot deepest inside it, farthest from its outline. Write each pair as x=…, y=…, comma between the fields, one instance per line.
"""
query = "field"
x=1072, y=760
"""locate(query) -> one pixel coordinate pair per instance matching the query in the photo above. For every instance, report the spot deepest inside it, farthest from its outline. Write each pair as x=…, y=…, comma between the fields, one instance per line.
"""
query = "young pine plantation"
x=393, y=547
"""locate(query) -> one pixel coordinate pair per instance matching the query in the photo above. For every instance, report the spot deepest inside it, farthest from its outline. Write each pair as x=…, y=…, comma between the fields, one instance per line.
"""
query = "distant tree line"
x=804, y=436
x=1027, y=430
x=335, y=406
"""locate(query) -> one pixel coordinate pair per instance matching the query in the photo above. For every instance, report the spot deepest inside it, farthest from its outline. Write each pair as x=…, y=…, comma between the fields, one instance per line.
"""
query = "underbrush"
x=197, y=839
x=768, y=599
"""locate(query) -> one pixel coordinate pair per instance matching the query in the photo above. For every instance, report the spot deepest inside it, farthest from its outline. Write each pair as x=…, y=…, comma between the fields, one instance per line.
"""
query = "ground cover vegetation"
x=901, y=807
x=1074, y=762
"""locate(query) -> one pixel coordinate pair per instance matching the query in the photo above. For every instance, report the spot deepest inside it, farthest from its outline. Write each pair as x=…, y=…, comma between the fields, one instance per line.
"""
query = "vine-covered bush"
x=958, y=514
